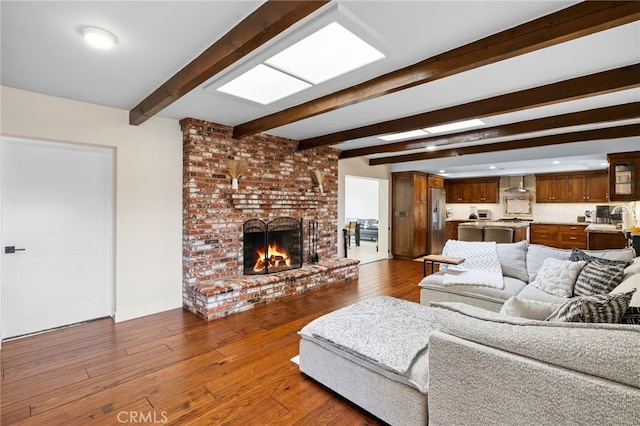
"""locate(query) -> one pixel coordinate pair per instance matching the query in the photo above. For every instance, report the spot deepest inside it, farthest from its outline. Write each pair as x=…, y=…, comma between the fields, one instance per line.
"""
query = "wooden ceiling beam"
x=576, y=88
x=617, y=132
x=597, y=115
x=573, y=22
x=266, y=22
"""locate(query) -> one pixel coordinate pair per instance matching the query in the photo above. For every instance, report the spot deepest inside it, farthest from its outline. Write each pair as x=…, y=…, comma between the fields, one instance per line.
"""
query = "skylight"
x=460, y=125
x=325, y=54
x=403, y=135
x=264, y=85
x=328, y=53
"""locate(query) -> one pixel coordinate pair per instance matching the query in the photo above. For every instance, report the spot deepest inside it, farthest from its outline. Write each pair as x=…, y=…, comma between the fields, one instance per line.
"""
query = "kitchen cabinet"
x=545, y=234
x=570, y=236
x=409, y=222
x=475, y=190
x=452, y=229
x=579, y=187
x=606, y=240
x=624, y=179
x=563, y=236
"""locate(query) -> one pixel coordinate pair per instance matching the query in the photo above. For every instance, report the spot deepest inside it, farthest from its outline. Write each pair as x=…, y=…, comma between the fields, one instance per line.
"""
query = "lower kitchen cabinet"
x=606, y=240
x=545, y=234
x=560, y=236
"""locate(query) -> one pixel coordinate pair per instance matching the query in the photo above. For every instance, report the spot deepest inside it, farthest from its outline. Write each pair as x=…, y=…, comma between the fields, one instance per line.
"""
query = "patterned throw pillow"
x=578, y=255
x=598, y=277
x=601, y=308
x=632, y=316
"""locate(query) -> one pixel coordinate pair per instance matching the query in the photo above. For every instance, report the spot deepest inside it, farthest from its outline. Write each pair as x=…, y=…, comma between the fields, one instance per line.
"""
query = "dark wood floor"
x=175, y=368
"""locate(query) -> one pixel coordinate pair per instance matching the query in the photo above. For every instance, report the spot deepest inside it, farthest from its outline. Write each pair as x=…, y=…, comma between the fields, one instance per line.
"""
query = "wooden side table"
x=438, y=258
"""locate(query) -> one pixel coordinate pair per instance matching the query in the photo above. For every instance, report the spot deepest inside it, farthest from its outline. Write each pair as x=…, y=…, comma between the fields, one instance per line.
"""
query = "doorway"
x=367, y=203
x=56, y=203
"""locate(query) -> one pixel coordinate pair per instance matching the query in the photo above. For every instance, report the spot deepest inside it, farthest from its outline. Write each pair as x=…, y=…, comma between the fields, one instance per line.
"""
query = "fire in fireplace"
x=272, y=247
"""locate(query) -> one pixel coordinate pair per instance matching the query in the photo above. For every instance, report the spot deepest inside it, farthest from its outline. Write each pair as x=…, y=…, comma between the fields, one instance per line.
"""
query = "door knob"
x=12, y=249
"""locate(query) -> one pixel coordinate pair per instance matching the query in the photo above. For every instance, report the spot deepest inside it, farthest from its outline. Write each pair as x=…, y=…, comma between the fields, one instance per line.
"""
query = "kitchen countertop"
x=501, y=224
x=604, y=228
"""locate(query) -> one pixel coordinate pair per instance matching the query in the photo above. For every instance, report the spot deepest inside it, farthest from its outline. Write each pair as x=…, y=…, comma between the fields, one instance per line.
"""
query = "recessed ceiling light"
x=441, y=171
x=325, y=54
x=604, y=164
x=403, y=135
x=99, y=38
x=556, y=162
x=431, y=148
x=459, y=125
x=263, y=85
x=492, y=167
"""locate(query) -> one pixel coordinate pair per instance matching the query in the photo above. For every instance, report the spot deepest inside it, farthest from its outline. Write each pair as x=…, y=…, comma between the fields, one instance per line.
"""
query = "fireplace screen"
x=272, y=247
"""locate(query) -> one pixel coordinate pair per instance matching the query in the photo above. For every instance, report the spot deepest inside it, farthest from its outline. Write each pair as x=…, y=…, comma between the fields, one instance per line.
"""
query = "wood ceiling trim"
x=576, y=88
x=266, y=22
x=573, y=22
x=597, y=115
x=617, y=132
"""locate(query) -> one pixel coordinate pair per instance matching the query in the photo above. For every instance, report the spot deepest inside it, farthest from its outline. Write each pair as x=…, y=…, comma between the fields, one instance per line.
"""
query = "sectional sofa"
x=454, y=359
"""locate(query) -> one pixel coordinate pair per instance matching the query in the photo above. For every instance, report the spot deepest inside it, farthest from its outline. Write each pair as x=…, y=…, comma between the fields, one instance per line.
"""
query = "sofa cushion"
x=608, y=351
x=526, y=308
x=513, y=260
x=598, y=308
x=622, y=255
x=558, y=277
x=533, y=293
x=630, y=281
x=536, y=255
x=512, y=286
x=599, y=276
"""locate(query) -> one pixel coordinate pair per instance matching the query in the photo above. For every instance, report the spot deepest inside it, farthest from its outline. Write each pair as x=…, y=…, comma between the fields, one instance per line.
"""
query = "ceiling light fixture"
x=325, y=54
x=556, y=162
x=492, y=167
x=264, y=85
x=431, y=148
x=98, y=38
x=459, y=125
x=403, y=135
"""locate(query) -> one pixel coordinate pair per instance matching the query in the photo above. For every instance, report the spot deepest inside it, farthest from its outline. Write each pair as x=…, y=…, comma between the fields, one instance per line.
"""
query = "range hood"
x=519, y=187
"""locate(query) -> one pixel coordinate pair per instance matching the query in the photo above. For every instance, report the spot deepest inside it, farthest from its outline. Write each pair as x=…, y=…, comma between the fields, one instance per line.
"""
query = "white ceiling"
x=42, y=51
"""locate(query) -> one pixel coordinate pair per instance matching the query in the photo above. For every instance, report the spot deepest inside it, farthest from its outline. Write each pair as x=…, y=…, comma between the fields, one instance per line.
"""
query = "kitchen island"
x=605, y=236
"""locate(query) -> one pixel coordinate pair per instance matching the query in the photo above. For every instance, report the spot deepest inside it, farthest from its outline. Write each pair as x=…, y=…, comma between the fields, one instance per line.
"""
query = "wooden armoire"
x=409, y=222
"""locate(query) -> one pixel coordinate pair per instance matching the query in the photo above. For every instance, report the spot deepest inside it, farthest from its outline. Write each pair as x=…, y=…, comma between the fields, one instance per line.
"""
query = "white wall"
x=361, y=197
x=148, y=186
x=359, y=167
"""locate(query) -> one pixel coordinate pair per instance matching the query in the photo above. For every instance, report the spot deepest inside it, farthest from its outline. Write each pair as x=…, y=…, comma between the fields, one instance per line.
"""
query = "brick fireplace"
x=276, y=182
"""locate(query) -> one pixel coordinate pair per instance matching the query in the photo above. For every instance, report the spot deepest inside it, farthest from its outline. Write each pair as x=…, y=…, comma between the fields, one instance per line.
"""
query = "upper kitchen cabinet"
x=476, y=190
x=624, y=182
x=579, y=187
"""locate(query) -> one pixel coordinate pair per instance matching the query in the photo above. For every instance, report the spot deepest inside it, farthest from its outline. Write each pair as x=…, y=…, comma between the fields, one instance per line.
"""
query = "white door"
x=57, y=203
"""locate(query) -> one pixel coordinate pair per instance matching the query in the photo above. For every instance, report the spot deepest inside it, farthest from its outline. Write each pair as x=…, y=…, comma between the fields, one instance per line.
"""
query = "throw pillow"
x=558, y=277
x=631, y=316
x=527, y=308
x=599, y=277
x=579, y=255
x=513, y=258
x=600, y=308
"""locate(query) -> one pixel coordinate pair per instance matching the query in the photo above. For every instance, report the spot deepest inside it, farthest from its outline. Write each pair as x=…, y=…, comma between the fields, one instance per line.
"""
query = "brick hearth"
x=276, y=182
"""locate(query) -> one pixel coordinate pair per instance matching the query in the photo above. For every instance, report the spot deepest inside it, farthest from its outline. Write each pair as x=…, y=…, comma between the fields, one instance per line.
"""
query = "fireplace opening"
x=272, y=247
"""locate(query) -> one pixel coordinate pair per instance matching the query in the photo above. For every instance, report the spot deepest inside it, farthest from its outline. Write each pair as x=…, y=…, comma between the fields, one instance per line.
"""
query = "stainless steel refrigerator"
x=436, y=228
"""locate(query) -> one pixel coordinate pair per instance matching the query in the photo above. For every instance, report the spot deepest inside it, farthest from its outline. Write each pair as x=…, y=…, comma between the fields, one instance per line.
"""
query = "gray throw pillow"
x=600, y=308
x=599, y=277
x=579, y=255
